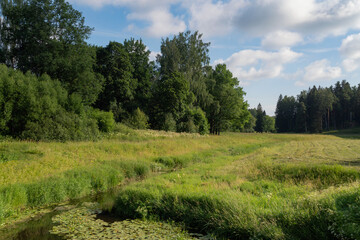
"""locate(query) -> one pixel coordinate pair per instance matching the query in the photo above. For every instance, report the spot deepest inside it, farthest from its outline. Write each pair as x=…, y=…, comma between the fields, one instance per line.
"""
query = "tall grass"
x=68, y=185
x=37, y=174
x=272, y=191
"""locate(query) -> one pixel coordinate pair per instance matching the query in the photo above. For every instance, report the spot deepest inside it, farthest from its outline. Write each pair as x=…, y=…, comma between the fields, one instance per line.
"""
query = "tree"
x=188, y=54
x=285, y=114
x=113, y=62
x=228, y=102
x=39, y=108
x=260, y=119
x=269, y=124
x=142, y=72
x=138, y=120
x=48, y=36
x=171, y=96
x=342, y=106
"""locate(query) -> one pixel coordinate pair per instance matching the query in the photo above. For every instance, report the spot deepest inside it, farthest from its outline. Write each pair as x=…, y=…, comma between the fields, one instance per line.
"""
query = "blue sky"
x=272, y=46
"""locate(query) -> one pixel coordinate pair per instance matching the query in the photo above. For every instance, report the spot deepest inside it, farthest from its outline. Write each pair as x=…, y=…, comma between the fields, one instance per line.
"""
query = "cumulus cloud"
x=162, y=22
x=280, y=39
x=350, y=50
x=213, y=18
x=156, y=14
x=248, y=65
x=255, y=17
x=153, y=55
x=319, y=71
x=320, y=18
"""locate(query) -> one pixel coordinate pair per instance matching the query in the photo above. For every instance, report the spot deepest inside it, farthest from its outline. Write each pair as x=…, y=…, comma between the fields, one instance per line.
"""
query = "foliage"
x=175, y=89
x=105, y=120
x=194, y=121
x=187, y=54
x=40, y=109
x=169, y=123
x=228, y=100
x=260, y=119
x=319, y=109
x=113, y=62
x=143, y=72
x=82, y=223
x=48, y=36
x=138, y=120
x=269, y=124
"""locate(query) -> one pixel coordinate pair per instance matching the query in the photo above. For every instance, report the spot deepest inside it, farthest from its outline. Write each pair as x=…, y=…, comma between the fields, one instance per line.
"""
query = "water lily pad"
x=81, y=223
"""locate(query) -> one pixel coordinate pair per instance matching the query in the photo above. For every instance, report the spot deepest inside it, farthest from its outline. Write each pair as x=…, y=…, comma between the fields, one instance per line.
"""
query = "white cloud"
x=259, y=18
x=308, y=17
x=318, y=71
x=350, y=50
x=280, y=39
x=156, y=14
x=162, y=22
x=153, y=55
x=248, y=65
x=321, y=70
x=213, y=18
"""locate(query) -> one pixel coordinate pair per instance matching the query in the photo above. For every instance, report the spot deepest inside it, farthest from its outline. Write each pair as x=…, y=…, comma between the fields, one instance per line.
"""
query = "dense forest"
x=53, y=85
x=319, y=109
x=56, y=86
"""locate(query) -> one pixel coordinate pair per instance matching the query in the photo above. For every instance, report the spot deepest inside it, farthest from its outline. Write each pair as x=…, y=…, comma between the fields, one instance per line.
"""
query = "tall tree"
x=142, y=72
x=342, y=106
x=113, y=62
x=170, y=100
x=285, y=114
x=188, y=54
x=228, y=103
x=260, y=119
x=48, y=36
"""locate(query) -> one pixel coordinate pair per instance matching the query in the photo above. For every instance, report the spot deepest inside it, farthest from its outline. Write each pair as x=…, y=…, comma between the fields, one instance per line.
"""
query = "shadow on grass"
x=352, y=133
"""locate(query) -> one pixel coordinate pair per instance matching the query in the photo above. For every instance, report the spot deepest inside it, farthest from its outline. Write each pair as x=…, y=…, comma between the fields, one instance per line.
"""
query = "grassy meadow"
x=234, y=186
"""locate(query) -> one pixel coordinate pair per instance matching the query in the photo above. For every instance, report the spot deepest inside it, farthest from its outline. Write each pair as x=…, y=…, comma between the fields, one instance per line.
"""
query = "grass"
x=300, y=188
x=35, y=174
x=237, y=186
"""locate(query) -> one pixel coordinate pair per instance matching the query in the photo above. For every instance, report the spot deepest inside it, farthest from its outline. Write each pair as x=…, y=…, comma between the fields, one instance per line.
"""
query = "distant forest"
x=55, y=86
x=319, y=109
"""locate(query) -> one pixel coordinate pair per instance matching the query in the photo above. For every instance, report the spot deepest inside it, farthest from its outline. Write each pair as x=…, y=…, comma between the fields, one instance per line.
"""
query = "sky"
x=273, y=47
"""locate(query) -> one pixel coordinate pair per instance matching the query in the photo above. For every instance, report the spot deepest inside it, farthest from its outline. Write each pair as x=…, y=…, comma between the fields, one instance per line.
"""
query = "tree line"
x=53, y=85
x=319, y=109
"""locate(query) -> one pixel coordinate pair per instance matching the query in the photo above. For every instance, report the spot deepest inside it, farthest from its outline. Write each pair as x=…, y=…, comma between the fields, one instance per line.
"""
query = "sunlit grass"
x=40, y=173
x=269, y=186
x=294, y=187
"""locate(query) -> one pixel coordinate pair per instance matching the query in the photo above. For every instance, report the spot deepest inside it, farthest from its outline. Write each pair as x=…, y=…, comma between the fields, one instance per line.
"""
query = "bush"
x=194, y=121
x=169, y=123
x=39, y=108
x=138, y=120
x=105, y=120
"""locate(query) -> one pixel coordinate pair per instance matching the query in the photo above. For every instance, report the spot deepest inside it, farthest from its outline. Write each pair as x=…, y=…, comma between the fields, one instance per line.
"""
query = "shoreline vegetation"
x=234, y=186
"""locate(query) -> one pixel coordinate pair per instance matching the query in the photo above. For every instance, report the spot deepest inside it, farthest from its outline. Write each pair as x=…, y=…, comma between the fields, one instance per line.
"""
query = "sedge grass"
x=305, y=187
x=34, y=174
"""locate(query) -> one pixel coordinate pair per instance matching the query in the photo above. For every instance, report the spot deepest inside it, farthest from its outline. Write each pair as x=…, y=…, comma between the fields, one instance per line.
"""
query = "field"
x=235, y=186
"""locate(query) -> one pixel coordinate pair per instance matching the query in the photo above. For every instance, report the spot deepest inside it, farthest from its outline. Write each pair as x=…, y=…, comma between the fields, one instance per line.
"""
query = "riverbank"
x=275, y=186
x=36, y=174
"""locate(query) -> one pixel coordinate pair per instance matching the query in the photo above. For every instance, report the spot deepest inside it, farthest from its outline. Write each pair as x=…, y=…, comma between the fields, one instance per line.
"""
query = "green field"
x=235, y=186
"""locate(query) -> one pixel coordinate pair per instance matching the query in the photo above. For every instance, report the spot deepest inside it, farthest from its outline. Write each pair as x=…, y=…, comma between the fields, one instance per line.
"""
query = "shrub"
x=105, y=120
x=194, y=121
x=169, y=123
x=138, y=120
x=39, y=108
